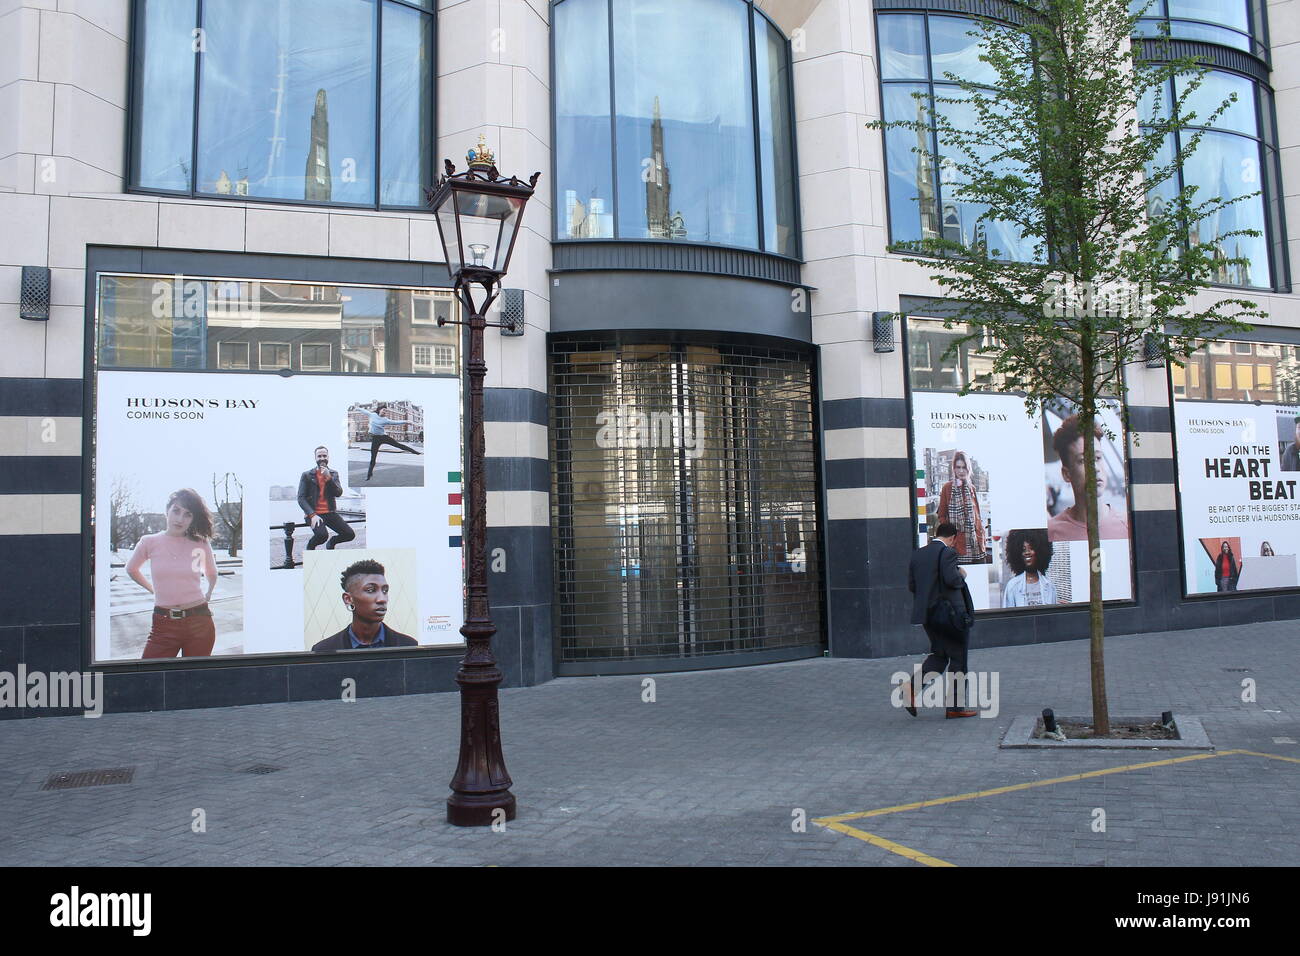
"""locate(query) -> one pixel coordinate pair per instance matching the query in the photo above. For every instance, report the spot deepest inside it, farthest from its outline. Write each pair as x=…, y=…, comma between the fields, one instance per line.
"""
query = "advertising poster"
x=1013, y=483
x=1238, y=476
x=258, y=514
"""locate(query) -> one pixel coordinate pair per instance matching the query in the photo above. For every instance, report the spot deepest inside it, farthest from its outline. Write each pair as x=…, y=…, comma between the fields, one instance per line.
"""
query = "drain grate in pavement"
x=261, y=768
x=88, y=778
x=1237, y=670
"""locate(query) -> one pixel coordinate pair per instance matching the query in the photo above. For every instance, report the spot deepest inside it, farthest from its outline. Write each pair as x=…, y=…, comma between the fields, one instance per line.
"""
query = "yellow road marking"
x=889, y=845
x=1255, y=753
x=837, y=822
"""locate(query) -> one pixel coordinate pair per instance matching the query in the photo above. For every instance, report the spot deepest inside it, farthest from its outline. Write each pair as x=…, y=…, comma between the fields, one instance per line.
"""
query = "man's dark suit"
x=340, y=641
x=309, y=495
x=931, y=567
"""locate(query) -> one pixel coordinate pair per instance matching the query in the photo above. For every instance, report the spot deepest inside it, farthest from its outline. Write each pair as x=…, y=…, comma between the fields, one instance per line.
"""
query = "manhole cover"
x=261, y=768
x=88, y=778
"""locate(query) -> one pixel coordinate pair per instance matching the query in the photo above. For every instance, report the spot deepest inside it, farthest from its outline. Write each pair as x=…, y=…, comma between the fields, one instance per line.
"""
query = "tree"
x=1056, y=151
x=230, y=510
x=123, y=514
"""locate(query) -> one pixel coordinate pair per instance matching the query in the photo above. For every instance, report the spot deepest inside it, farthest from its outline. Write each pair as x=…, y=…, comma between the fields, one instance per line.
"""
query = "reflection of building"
x=1240, y=372
x=317, y=182
x=660, y=222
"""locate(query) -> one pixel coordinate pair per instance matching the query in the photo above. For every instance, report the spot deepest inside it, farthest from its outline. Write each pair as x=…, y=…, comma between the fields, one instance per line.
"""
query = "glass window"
x=163, y=104
x=288, y=97
x=684, y=123
x=154, y=322
x=902, y=47
x=776, y=147
x=1236, y=157
x=923, y=182
x=1225, y=22
x=1242, y=372
x=665, y=148
x=584, y=207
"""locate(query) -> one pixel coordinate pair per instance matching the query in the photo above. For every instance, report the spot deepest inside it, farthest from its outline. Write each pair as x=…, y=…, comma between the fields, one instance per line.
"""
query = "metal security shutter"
x=684, y=501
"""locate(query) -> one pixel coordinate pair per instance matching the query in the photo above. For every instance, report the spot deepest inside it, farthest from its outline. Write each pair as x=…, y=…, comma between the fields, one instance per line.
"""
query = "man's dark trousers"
x=331, y=521
x=945, y=653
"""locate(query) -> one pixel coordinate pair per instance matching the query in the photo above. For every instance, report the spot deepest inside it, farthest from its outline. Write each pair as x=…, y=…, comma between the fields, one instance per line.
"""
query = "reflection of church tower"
x=658, y=187
x=926, y=189
x=317, y=177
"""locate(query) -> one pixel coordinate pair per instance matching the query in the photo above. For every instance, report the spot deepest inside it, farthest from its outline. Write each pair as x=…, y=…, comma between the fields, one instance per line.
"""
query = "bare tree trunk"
x=1088, y=426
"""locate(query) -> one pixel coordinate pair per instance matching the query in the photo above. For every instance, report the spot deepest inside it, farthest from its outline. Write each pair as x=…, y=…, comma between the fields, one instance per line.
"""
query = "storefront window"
x=1237, y=428
x=1012, y=482
x=684, y=500
x=259, y=450
x=287, y=96
x=690, y=99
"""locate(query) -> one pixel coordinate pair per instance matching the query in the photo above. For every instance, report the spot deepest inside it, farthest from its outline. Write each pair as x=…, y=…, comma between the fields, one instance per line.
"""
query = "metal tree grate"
x=88, y=778
x=261, y=768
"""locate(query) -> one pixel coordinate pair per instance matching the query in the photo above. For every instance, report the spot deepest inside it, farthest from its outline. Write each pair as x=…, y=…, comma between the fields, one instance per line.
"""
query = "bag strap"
x=938, y=577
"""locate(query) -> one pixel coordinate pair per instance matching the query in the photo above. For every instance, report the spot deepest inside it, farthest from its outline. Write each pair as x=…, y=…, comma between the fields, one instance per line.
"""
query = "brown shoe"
x=961, y=712
x=909, y=698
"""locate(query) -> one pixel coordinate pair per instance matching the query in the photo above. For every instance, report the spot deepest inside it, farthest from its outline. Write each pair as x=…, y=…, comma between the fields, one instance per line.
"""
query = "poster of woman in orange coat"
x=959, y=504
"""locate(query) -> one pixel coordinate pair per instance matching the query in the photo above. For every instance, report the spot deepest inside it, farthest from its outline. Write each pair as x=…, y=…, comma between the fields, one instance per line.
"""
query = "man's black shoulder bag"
x=941, y=615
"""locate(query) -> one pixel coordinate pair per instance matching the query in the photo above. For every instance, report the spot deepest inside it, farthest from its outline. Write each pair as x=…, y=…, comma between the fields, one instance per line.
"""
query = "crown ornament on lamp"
x=481, y=156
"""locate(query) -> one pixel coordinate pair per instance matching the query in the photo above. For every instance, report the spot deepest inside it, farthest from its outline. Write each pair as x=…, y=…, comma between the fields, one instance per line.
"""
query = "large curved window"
x=1236, y=157
x=1235, y=23
x=917, y=51
x=672, y=127
x=324, y=101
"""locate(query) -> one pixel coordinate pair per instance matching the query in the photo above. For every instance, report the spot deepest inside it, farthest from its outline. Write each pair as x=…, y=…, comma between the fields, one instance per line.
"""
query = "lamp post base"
x=480, y=810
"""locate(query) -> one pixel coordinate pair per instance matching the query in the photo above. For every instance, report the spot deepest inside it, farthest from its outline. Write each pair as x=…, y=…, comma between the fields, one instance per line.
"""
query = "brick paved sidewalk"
x=713, y=772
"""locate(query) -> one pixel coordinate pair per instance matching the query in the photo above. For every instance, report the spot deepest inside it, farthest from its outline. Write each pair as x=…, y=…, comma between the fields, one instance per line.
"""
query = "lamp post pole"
x=481, y=785
x=478, y=204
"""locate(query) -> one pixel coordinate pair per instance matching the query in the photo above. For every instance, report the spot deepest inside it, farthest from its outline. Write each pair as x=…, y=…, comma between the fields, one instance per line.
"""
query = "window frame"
x=752, y=10
x=135, y=71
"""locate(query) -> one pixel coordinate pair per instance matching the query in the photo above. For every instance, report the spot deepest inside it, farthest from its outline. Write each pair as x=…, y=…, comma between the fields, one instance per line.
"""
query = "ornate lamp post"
x=479, y=213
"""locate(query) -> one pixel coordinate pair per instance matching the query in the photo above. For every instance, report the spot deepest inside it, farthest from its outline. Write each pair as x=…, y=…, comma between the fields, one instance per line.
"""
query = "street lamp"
x=478, y=213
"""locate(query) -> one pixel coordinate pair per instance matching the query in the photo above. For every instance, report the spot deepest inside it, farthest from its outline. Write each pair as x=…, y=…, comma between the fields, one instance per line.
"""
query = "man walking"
x=379, y=436
x=934, y=575
x=317, y=490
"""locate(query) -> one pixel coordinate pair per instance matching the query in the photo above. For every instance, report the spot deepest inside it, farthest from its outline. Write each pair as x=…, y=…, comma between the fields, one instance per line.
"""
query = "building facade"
x=728, y=418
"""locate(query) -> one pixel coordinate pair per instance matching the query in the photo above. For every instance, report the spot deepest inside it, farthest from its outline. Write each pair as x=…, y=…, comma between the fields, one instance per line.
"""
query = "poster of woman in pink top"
x=182, y=574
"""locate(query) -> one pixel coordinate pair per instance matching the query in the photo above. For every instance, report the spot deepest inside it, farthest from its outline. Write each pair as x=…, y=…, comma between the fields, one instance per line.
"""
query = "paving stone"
x=709, y=774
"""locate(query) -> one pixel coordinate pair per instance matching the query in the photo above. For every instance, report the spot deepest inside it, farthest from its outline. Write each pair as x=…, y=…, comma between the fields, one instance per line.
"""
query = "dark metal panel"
x=582, y=255
x=609, y=301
